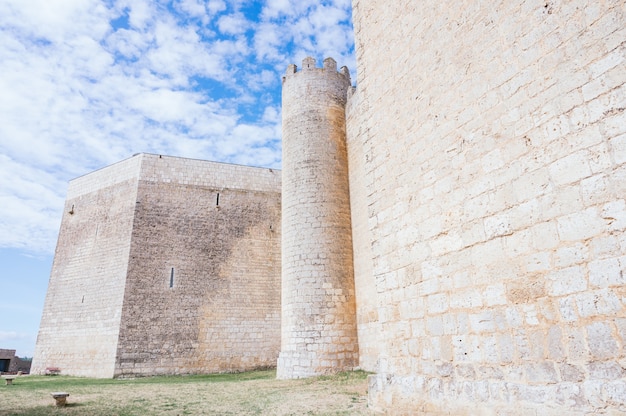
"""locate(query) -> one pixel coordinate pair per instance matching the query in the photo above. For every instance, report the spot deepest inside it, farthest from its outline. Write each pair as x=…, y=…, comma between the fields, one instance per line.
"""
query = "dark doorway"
x=4, y=365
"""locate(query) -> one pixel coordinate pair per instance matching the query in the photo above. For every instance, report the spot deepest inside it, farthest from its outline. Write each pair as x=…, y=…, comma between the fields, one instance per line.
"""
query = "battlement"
x=309, y=64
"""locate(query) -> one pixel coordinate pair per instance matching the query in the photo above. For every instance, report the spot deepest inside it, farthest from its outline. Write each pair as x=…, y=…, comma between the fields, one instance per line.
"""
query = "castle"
x=165, y=265
x=454, y=224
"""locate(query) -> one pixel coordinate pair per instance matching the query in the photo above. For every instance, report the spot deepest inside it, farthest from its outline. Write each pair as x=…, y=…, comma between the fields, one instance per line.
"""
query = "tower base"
x=296, y=364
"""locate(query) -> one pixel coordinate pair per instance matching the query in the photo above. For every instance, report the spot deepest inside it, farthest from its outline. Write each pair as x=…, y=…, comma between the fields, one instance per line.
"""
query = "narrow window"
x=172, y=278
x=217, y=202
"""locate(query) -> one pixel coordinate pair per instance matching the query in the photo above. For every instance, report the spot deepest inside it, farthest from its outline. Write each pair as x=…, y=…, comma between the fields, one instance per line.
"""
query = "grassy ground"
x=254, y=393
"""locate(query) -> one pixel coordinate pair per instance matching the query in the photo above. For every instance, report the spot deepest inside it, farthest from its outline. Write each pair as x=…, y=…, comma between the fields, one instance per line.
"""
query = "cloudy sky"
x=86, y=83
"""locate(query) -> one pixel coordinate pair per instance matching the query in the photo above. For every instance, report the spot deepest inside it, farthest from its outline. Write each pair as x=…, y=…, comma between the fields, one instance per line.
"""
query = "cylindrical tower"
x=319, y=334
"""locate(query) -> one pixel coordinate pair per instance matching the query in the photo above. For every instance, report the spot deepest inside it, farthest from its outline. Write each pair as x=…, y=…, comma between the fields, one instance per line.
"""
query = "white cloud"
x=54, y=20
x=268, y=39
x=291, y=8
x=232, y=51
x=13, y=335
x=22, y=342
x=319, y=29
x=128, y=43
x=262, y=80
x=215, y=6
x=271, y=115
x=30, y=202
x=275, y=8
x=193, y=8
x=188, y=78
x=233, y=24
x=140, y=13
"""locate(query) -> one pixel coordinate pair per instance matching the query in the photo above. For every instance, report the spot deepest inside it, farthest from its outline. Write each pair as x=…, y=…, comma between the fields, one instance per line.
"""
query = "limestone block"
x=601, y=342
x=605, y=273
x=566, y=281
x=618, y=147
x=571, y=255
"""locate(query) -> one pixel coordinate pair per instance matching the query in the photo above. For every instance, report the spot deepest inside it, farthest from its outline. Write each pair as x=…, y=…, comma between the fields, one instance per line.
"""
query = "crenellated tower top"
x=308, y=64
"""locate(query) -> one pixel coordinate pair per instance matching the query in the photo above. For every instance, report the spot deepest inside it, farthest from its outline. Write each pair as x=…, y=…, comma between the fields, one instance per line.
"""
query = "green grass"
x=67, y=381
x=343, y=377
x=251, y=393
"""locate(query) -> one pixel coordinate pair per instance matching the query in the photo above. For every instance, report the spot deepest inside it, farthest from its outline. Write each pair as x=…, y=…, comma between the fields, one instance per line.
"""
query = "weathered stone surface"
x=487, y=151
x=165, y=266
x=484, y=151
x=319, y=332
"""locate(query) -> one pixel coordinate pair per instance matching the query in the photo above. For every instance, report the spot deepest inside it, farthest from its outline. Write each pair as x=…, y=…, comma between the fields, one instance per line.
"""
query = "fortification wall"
x=203, y=287
x=165, y=266
x=495, y=150
x=368, y=325
x=80, y=323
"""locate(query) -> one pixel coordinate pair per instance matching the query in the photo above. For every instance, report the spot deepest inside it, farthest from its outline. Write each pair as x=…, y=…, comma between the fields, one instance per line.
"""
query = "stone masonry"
x=456, y=223
x=487, y=149
x=82, y=312
x=165, y=266
x=318, y=302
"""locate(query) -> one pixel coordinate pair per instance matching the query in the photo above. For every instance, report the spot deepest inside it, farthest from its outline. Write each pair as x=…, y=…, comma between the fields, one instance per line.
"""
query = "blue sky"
x=86, y=83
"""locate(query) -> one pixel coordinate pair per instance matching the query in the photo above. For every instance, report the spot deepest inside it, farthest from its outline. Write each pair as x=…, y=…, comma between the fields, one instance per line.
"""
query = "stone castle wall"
x=486, y=147
x=368, y=325
x=203, y=286
x=81, y=318
x=492, y=138
x=132, y=229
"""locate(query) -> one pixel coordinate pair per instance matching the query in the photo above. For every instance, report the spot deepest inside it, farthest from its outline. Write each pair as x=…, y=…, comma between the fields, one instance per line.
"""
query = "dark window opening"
x=217, y=202
x=172, y=278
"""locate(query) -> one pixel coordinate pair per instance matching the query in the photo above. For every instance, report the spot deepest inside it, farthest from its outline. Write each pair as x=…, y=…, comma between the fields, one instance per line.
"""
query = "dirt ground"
x=256, y=393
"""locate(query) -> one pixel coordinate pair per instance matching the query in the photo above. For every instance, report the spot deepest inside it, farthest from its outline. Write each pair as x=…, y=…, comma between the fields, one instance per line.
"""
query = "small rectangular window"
x=172, y=278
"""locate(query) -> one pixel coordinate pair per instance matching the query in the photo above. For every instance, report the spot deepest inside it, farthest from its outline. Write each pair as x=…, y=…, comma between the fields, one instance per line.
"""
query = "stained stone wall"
x=203, y=286
x=165, y=266
x=492, y=141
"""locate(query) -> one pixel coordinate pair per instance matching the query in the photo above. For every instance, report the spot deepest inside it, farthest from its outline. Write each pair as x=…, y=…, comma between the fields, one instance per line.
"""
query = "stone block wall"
x=165, y=266
x=80, y=323
x=318, y=298
x=492, y=140
x=368, y=325
x=203, y=286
